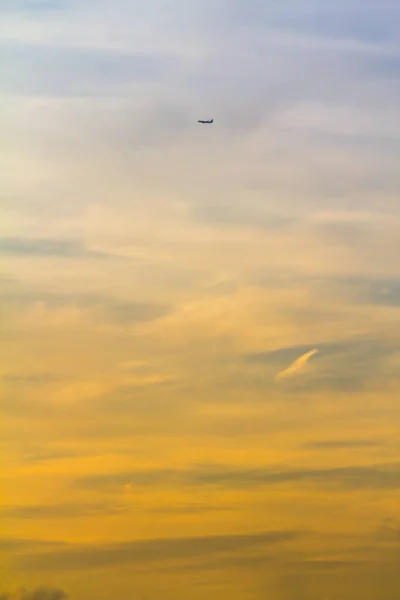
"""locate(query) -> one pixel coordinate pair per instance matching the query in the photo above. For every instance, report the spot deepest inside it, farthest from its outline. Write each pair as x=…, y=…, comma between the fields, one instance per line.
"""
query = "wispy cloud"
x=106, y=308
x=71, y=73
x=32, y=7
x=349, y=444
x=82, y=557
x=380, y=476
x=61, y=511
x=39, y=593
x=348, y=364
x=296, y=366
x=47, y=247
x=30, y=378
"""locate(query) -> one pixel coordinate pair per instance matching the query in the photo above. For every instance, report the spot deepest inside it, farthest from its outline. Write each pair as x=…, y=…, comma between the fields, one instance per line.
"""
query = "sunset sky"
x=200, y=371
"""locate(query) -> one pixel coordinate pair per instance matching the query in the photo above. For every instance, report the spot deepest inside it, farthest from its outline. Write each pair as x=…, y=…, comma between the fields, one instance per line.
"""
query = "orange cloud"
x=296, y=366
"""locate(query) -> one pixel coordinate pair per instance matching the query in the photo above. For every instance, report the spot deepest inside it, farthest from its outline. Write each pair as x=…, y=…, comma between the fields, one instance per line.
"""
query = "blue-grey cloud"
x=33, y=7
x=384, y=292
x=368, y=22
x=247, y=66
x=42, y=70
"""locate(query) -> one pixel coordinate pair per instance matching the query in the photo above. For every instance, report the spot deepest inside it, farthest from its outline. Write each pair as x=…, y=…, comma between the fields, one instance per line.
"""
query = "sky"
x=200, y=323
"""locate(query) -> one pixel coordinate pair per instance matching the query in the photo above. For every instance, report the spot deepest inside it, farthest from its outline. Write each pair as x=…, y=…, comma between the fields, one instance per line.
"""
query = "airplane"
x=206, y=122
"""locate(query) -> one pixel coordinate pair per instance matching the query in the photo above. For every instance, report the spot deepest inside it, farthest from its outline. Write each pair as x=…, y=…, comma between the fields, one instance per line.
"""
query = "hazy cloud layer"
x=159, y=274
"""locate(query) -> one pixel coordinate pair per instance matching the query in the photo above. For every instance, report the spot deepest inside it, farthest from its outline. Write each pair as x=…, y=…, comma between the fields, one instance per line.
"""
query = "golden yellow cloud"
x=296, y=366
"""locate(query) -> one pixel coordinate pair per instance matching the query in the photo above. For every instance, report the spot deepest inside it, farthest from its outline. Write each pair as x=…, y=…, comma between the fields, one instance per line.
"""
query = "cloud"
x=296, y=366
x=242, y=562
x=30, y=378
x=33, y=7
x=103, y=99
x=384, y=292
x=46, y=247
x=241, y=215
x=60, y=511
x=342, y=444
x=366, y=291
x=143, y=477
x=384, y=476
x=38, y=593
x=329, y=565
x=37, y=455
x=9, y=544
x=170, y=88
x=134, y=366
x=349, y=364
x=35, y=69
x=43, y=593
x=140, y=552
x=103, y=307
x=188, y=509
x=344, y=21
x=136, y=312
